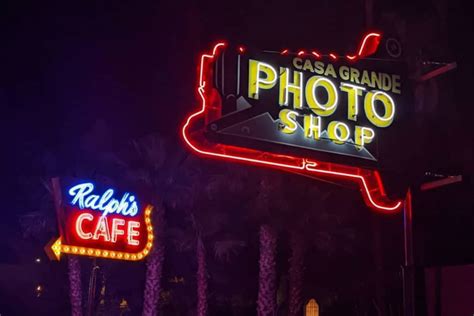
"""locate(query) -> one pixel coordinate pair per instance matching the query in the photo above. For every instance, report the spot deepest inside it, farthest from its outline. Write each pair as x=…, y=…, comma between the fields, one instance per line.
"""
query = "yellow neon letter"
x=353, y=93
x=312, y=126
x=344, y=72
x=338, y=132
x=369, y=106
x=363, y=135
x=308, y=66
x=297, y=62
x=319, y=67
x=256, y=82
x=312, y=100
x=288, y=120
x=396, y=84
x=296, y=87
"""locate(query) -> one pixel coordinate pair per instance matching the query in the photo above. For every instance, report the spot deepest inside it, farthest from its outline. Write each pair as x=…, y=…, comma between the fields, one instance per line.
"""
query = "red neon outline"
x=369, y=181
x=364, y=41
x=364, y=50
x=59, y=247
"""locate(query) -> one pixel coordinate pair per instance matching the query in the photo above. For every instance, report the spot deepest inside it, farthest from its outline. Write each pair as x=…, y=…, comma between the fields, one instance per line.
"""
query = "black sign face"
x=329, y=108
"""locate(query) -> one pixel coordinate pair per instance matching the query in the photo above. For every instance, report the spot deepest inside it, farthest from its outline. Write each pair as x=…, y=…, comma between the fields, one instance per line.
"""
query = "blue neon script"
x=106, y=203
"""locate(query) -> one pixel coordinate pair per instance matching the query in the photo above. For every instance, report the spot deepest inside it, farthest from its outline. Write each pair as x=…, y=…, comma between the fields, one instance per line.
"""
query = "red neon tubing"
x=372, y=191
x=365, y=49
x=368, y=46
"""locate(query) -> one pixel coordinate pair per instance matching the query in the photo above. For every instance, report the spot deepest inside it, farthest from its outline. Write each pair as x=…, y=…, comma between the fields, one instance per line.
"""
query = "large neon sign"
x=96, y=221
x=316, y=99
x=321, y=118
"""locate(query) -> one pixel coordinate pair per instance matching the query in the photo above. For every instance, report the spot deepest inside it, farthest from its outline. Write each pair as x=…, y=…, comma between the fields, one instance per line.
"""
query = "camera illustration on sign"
x=305, y=112
x=98, y=221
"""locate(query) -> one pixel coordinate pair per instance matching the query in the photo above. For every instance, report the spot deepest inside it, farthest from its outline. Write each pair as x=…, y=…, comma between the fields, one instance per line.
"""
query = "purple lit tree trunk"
x=266, y=303
x=296, y=272
x=75, y=288
x=201, y=279
x=154, y=265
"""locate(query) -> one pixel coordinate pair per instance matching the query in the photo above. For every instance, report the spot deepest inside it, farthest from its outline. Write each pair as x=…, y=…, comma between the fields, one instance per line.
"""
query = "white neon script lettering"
x=83, y=198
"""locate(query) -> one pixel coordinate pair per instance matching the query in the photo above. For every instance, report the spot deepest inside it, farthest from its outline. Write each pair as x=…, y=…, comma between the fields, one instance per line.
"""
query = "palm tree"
x=269, y=201
x=201, y=277
x=42, y=223
x=296, y=273
x=154, y=264
x=94, y=161
x=299, y=231
x=153, y=162
x=75, y=286
x=206, y=210
x=266, y=302
x=321, y=227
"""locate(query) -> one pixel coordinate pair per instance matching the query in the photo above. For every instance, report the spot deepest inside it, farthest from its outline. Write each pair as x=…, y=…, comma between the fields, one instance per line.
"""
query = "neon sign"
x=319, y=98
x=105, y=202
x=316, y=109
x=334, y=106
x=96, y=221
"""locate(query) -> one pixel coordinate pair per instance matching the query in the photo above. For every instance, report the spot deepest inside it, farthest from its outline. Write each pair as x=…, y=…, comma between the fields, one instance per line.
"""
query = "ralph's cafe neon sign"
x=97, y=221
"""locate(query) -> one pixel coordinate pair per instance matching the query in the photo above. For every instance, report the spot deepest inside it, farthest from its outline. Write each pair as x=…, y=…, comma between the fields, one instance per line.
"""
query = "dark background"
x=129, y=69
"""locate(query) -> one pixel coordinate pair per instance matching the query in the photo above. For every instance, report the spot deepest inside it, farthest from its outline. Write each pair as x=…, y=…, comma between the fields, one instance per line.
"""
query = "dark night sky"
x=132, y=66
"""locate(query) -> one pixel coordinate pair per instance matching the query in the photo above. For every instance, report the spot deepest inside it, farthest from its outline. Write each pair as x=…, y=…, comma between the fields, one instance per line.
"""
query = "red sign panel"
x=95, y=220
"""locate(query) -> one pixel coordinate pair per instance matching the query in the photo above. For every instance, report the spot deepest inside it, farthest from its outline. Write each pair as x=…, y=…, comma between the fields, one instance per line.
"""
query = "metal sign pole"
x=92, y=288
x=408, y=269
